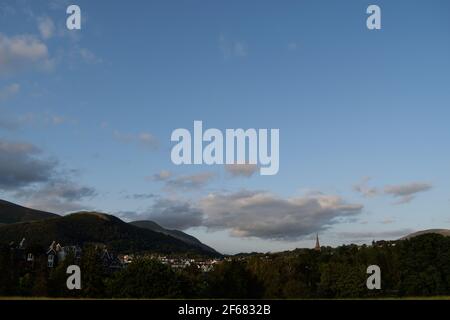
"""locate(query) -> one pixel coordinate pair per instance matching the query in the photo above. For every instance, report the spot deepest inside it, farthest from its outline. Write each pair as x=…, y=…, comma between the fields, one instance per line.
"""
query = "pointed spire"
x=22, y=244
x=317, y=247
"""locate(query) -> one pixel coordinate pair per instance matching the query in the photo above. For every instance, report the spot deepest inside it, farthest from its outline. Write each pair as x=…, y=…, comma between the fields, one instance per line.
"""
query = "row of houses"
x=177, y=263
x=57, y=253
x=205, y=265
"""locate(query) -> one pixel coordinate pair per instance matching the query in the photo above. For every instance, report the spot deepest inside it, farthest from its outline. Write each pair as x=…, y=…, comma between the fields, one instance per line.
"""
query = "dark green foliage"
x=145, y=278
x=93, y=273
x=8, y=275
x=416, y=267
x=425, y=261
x=233, y=280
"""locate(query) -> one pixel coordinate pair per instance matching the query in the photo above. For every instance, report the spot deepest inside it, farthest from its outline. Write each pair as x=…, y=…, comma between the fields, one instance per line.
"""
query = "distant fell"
x=180, y=235
x=443, y=232
x=42, y=228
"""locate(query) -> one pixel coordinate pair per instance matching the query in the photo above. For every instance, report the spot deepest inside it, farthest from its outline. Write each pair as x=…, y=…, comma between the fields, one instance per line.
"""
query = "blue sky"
x=363, y=115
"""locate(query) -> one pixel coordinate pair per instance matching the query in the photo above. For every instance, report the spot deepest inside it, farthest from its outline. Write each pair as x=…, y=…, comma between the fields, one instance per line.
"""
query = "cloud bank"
x=38, y=180
x=256, y=214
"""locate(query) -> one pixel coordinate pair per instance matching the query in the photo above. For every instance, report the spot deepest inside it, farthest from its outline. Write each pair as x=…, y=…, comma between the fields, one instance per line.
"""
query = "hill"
x=13, y=213
x=180, y=235
x=93, y=227
x=443, y=232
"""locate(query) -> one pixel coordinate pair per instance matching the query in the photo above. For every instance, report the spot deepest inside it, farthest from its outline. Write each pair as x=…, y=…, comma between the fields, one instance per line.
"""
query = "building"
x=317, y=247
x=22, y=254
x=57, y=253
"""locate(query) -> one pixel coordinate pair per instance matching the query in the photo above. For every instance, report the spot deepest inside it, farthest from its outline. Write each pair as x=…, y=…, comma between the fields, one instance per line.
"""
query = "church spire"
x=317, y=247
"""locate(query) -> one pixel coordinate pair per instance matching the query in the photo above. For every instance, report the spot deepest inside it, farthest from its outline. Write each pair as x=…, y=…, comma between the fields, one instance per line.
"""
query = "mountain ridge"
x=443, y=232
x=151, y=225
x=14, y=213
x=84, y=227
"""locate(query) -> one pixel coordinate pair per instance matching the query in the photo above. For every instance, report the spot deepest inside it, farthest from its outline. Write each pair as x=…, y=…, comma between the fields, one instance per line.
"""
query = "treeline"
x=415, y=267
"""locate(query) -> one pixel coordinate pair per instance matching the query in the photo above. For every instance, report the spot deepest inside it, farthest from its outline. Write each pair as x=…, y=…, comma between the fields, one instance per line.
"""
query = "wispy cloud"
x=9, y=91
x=363, y=188
x=89, y=57
x=143, y=139
x=8, y=124
x=46, y=27
x=232, y=48
x=241, y=170
x=141, y=196
x=33, y=120
x=406, y=192
x=183, y=182
x=163, y=175
x=7, y=10
x=387, y=221
x=369, y=236
x=292, y=46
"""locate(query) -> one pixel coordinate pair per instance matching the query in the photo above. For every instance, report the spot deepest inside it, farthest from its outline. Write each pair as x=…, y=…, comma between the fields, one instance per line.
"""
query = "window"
x=50, y=261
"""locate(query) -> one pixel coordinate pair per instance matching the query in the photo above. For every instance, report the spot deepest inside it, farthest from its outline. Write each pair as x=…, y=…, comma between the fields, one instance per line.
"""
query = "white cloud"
x=264, y=215
x=46, y=27
x=21, y=52
x=256, y=214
